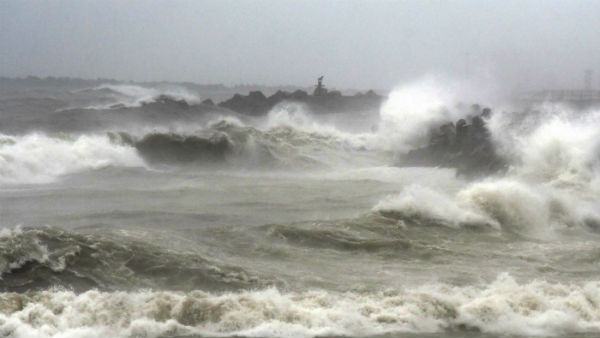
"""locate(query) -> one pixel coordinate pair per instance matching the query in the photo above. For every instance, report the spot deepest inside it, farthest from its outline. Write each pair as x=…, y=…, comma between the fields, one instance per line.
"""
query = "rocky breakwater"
x=256, y=103
x=465, y=145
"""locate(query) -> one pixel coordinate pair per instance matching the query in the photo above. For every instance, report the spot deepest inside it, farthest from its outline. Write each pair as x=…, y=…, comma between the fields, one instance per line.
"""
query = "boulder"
x=255, y=103
x=299, y=95
x=465, y=146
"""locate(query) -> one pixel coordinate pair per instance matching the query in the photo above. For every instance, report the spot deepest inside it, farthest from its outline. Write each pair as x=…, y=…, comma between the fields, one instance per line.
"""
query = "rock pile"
x=465, y=145
x=256, y=103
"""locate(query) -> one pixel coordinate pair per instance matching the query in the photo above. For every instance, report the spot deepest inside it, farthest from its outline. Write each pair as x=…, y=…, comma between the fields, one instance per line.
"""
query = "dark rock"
x=322, y=101
x=466, y=147
x=257, y=96
x=208, y=102
x=592, y=223
x=371, y=93
x=278, y=97
x=445, y=138
x=167, y=100
x=486, y=113
x=255, y=103
x=299, y=95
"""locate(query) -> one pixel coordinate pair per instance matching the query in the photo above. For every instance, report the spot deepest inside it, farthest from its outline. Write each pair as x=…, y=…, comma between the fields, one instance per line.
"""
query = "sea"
x=132, y=210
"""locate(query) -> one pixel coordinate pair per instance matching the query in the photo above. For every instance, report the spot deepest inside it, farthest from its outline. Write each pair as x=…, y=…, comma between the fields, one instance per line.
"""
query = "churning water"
x=124, y=217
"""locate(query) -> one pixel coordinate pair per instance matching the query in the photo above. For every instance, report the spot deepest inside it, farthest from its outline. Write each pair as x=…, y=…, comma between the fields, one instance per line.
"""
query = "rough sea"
x=123, y=214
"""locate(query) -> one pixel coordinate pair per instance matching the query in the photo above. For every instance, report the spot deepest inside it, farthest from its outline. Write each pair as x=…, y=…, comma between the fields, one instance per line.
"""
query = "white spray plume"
x=135, y=96
x=39, y=158
x=413, y=109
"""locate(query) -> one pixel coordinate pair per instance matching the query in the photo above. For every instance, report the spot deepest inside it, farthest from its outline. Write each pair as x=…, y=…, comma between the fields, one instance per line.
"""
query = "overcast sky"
x=358, y=44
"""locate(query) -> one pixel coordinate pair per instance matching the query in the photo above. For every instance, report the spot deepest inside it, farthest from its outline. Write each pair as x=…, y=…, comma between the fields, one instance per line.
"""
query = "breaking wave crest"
x=554, y=145
x=228, y=141
x=40, y=158
x=504, y=306
x=552, y=183
x=136, y=96
x=225, y=143
x=503, y=204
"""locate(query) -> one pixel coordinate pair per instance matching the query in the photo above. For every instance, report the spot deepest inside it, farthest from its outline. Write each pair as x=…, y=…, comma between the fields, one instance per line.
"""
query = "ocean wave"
x=505, y=204
x=505, y=307
x=554, y=145
x=174, y=148
x=412, y=110
x=228, y=141
x=419, y=204
x=319, y=236
x=136, y=96
x=38, y=258
x=553, y=182
x=41, y=158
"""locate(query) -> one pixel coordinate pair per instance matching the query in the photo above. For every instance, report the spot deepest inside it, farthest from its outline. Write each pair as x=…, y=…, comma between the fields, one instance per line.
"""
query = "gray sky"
x=358, y=44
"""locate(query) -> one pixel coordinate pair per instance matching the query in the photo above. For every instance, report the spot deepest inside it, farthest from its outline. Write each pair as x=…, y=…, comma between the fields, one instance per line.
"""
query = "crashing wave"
x=505, y=307
x=503, y=204
x=229, y=142
x=174, y=148
x=40, y=158
x=137, y=96
x=552, y=181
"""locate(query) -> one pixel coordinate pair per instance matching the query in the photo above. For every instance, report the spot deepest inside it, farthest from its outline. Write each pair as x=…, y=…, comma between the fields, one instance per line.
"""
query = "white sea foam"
x=412, y=109
x=423, y=202
x=553, y=182
x=554, y=144
x=536, y=308
x=40, y=158
x=405, y=118
x=508, y=204
x=298, y=117
x=135, y=96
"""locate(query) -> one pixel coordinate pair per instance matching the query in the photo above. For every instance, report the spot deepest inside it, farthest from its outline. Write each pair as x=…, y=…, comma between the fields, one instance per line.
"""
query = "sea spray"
x=552, y=182
x=135, y=96
x=39, y=158
x=508, y=204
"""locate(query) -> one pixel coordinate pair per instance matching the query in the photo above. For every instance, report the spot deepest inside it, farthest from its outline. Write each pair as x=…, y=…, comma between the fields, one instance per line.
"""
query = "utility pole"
x=467, y=56
x=587, y=80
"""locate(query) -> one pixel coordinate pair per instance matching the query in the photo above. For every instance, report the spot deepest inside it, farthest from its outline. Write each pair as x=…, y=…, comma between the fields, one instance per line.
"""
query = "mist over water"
x=138, y=211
